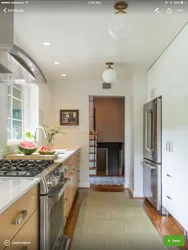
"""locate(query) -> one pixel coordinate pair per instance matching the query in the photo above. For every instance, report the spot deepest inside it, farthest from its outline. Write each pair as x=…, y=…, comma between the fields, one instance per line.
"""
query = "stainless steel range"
x=52, y=186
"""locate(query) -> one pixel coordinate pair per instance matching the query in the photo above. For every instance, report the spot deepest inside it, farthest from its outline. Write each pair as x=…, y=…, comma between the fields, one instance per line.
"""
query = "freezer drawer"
x=152, y=178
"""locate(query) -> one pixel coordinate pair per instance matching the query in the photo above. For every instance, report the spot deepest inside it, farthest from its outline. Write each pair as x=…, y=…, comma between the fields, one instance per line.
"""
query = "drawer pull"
x=21, y=217
x=169, y=175
x=169, y=197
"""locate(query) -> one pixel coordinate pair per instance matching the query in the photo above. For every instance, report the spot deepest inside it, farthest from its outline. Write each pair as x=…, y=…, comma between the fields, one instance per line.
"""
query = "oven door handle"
x=54, y=199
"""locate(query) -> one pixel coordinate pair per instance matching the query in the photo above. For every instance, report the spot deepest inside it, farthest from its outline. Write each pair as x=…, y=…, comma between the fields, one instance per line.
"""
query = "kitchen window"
x=22, y=110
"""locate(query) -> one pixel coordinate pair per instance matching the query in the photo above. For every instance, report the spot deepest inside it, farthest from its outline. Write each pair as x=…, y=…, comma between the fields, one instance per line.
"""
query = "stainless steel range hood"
x=15, y=63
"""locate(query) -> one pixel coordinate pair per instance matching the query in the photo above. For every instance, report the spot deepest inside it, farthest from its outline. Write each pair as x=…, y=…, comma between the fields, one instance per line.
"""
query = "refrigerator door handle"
x=149, y=166
x=149, y=131
x=146, y=131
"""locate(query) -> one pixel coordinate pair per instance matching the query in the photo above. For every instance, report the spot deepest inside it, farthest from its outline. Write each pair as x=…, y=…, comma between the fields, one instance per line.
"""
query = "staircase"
x=92, y=152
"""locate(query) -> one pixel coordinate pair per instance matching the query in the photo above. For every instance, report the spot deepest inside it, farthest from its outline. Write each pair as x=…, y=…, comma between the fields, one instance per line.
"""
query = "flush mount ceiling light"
x=46, y=43
x=56, y=62
x=109, y=75
x=117, y=26
x=63, y=75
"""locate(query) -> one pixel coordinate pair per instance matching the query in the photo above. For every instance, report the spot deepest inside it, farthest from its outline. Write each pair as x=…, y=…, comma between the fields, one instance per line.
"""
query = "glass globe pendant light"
x=117, y=26
x=109, y=75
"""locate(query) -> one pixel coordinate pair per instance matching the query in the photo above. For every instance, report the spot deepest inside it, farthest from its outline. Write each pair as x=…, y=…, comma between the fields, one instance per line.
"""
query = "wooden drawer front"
x=69, y=173
x=27, y=237
x=24, y=207
x=67, y=200
x=70, y=160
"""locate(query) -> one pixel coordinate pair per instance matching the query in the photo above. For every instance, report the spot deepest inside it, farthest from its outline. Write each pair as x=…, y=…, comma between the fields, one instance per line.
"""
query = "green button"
x=176, y=240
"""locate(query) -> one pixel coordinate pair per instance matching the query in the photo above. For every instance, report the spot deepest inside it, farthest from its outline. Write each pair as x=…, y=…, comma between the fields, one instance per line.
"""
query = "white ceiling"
x=81, y=43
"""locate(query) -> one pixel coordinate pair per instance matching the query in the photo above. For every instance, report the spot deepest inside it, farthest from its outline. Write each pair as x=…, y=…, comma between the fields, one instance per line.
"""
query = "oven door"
x=55, y=215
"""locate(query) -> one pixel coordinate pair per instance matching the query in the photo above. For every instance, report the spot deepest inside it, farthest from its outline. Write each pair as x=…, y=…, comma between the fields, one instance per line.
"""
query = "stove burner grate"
x=23, y=167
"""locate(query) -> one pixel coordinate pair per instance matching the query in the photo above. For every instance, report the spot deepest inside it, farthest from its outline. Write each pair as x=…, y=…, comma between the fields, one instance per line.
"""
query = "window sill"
x=13, y=143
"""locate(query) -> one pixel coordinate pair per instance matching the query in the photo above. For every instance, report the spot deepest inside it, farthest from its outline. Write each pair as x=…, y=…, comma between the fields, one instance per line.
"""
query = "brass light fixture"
x=109, y=75
x=121, y=7
x=117, y=25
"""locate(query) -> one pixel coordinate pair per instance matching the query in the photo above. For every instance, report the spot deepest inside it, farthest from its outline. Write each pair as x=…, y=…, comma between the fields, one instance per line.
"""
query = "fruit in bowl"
x=43, y=150
x=27, y=147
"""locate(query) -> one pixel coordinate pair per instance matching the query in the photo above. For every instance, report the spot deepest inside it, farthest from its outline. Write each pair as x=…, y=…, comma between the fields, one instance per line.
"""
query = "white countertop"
x=11, y=189
x=64, y=156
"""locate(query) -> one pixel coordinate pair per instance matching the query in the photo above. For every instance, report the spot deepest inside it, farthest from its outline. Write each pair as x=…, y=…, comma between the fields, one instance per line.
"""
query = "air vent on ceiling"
x=106, y=85
x=4, y=70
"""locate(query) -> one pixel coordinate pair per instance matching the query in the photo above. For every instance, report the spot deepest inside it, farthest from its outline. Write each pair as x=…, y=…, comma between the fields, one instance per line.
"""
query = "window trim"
x=32, y=104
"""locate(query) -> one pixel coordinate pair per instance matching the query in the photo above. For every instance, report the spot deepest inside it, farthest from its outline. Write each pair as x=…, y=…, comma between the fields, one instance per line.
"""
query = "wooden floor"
x=164, y=225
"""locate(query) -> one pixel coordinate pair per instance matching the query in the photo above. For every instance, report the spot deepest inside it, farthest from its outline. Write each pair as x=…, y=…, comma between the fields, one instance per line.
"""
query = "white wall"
x=169, y=78
x=74, y=94
x=45, y=115
x=139, y=99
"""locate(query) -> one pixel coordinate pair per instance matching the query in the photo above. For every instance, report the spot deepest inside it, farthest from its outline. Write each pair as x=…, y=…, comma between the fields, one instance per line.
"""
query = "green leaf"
x=29, y=135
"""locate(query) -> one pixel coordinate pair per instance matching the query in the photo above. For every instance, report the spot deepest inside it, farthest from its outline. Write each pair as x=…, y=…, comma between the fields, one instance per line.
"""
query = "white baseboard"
x=84, y=184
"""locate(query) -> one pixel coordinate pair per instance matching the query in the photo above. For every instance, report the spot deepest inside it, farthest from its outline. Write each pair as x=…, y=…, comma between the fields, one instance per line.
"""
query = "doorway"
x=106, y=139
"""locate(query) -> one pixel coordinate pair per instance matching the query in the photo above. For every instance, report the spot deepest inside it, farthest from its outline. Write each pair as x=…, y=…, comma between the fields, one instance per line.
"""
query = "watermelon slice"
x=27, y=147
x=43, y=150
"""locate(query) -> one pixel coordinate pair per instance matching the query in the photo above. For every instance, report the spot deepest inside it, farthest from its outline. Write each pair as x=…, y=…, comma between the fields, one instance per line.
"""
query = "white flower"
x=52, y=130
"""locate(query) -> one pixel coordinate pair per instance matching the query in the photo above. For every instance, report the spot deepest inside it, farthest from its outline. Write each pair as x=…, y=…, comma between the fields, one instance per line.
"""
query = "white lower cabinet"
x=173, y=197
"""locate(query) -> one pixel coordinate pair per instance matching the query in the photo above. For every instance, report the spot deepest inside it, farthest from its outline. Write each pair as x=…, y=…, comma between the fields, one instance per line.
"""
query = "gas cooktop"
x=23, y=168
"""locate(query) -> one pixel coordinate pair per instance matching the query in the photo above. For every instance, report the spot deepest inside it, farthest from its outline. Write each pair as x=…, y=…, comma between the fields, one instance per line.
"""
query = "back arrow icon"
x=5, y=10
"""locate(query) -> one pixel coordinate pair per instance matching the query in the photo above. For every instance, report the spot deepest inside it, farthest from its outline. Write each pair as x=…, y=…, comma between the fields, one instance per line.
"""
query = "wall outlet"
x=171, y=146
x=167, y=146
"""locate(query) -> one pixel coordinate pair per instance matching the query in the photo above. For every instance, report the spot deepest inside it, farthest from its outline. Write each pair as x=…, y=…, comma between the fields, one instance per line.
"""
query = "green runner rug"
x=110, y=221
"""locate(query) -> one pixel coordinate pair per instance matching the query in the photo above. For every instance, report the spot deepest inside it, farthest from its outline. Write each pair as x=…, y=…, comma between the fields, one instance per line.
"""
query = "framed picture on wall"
x=69, y=117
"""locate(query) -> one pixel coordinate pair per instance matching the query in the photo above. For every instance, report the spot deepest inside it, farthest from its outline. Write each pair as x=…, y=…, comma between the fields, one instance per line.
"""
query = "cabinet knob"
x=79, y=170
x=65, y=200
x=169, y=175
x=78, y=180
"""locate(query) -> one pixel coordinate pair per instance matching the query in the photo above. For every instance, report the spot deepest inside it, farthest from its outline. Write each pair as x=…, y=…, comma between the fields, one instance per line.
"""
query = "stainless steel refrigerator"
x=152, y=162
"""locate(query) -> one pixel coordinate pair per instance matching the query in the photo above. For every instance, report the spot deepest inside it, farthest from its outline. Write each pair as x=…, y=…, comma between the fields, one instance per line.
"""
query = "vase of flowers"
x=51, y=131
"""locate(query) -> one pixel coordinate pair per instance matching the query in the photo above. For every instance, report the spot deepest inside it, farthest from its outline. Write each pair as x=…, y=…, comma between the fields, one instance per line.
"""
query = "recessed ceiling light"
x=56, y=62
x=47, y=43
x=63, y=74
